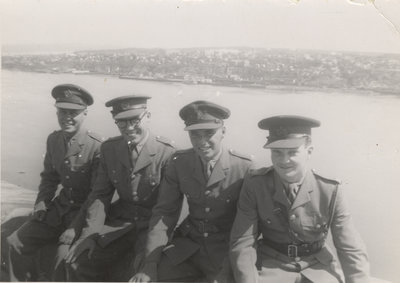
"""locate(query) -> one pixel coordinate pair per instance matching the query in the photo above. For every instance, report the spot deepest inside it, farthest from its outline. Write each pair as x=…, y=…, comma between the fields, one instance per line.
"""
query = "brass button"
x=134, y=193
x=292, y=217
x=207, y=192
x=268, y=221
x=67, y=177
x=207, y=209
x=66, y=161
x=228, y=200
x=318, y=226
x=136, y=218
x=71, y=201
x=205, y=235
x=297, y=259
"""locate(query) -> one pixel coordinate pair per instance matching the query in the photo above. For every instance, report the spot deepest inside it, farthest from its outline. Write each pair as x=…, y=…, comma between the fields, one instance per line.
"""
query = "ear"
x=148, y=115
x=223, y=130
x=310, y=149
x=85, y=112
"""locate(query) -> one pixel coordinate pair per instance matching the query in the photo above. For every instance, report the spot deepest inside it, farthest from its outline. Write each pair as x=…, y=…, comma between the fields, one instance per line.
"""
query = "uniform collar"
x=141, y=144
x=75, y=143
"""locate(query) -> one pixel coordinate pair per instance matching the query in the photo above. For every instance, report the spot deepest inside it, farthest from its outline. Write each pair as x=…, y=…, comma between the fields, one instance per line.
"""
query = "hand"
x=79, y=247
x=39, y=215
x=147, y=274
x=68, y=236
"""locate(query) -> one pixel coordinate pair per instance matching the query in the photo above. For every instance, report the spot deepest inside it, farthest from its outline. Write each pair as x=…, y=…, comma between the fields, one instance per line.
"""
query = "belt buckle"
x=292, y=251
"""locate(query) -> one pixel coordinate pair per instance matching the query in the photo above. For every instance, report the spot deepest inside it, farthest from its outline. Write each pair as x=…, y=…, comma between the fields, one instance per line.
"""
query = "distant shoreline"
x=278, y=88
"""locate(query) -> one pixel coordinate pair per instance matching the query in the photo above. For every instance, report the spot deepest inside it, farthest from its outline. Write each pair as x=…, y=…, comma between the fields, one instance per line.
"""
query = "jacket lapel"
x=303, y=196
x=145, y=156
x=123, y=154
x=77, y=142
x=280, y=195
x=220, y=170
x=198, y=170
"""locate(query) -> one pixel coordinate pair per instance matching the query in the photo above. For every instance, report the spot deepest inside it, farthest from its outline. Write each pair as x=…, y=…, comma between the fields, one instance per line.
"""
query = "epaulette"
x=260, y=171
x=240, y=155
x=180, y=152
x=326, y=179
x=95, y=136
x=166, y=141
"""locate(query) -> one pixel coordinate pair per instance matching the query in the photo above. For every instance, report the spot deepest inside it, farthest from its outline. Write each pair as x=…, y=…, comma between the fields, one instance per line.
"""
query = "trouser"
x=114, y=262
x=25, y=243
x=197, y=268
x=276, y=267
x=29, y=240
x=7, y=228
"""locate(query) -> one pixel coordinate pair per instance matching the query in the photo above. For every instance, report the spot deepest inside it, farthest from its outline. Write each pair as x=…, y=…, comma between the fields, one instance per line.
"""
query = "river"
x=358, y=141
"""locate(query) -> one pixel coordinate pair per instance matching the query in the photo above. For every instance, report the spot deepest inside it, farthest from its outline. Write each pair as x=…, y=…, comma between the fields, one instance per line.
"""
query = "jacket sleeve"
x=349, y=245
x=50, y=179
x=98, y=202
x=165, y=214
x=244, y=234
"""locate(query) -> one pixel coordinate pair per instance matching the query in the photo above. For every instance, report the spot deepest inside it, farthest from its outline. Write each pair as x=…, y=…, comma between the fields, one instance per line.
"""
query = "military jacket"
x=211, y=204
x=136, y=187
x=308, y=219
x=74, y=166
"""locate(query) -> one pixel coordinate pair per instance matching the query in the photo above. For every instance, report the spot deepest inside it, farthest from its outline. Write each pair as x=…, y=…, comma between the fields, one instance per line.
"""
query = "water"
x=358, y=142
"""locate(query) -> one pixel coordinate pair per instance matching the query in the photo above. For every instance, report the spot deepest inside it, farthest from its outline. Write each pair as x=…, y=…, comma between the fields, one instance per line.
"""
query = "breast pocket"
x=314, y=224
x=80, y=167
x=190, y=190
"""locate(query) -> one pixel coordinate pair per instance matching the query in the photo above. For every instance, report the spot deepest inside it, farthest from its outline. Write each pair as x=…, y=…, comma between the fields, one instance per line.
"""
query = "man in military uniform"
x=132, y=165
x=210, y=177
x=294, y=208
x=71, y=160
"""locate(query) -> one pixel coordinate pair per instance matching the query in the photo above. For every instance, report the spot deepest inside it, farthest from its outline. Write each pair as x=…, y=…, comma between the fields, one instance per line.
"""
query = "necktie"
x=134, y=154
x=209, y=169
x=292, y=191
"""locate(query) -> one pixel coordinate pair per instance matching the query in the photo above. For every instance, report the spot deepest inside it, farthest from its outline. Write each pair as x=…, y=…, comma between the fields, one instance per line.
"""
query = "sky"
x=68, y=25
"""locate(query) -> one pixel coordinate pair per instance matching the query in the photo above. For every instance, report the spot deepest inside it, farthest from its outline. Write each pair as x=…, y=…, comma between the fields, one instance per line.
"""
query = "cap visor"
x=287, y=143
x=204, y=126
x=129, y=114
x=66, y=105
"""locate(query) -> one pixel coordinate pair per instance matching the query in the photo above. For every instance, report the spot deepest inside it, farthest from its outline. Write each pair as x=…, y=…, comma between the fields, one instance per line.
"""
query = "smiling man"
x=132, y=166
x=293, y=208
x=71, y=160
x=210, y=177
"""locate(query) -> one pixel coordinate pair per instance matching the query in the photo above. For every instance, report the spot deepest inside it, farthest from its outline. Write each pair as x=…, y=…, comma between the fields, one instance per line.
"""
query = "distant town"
x=238, y=67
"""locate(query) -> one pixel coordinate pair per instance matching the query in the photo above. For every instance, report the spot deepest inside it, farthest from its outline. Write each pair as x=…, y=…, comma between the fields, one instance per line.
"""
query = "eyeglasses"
x=122, y=124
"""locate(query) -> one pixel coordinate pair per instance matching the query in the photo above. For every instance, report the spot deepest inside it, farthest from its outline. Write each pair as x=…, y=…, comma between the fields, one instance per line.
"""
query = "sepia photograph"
x=200, y=141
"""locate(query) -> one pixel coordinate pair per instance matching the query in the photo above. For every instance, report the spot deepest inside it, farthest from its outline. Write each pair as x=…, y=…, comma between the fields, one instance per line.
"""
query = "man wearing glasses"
x=132, y=165
x=71, y=160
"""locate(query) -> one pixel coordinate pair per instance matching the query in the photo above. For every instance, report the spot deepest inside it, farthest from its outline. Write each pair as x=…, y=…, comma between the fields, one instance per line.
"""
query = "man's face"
x=71, y=120
x=291, y=163
x=207, y=143
x=133, y=130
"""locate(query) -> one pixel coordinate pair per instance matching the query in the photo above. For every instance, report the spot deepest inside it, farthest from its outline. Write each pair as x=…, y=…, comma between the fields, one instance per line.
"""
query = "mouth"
x=286, y=167
x=68, y=123
x=204, y=149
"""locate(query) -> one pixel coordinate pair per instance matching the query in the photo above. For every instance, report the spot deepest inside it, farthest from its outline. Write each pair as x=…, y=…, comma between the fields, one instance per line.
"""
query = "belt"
x=295, y=250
